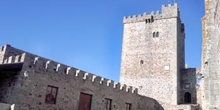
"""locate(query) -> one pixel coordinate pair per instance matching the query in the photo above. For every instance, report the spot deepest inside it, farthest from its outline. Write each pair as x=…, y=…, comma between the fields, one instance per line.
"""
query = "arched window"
x=154, y=34
x=157, y=34
x=187, y=97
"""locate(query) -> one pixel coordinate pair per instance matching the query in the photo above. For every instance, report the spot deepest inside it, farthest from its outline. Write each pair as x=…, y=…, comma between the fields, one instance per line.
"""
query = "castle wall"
x=152, y=64
x=30, y=87
x=210, y=56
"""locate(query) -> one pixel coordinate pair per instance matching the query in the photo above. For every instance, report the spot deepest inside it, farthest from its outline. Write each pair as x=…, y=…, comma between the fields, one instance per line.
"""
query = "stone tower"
x=153, y=54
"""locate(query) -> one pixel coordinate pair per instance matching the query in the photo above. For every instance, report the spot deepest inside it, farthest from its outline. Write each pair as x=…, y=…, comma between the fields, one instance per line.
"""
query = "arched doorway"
x=187, y=97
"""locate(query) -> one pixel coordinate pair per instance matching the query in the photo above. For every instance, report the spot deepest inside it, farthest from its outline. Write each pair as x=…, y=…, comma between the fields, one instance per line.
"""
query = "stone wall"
x=188, y=85
x=211, y=57
x=150, y=62
x=28, y=87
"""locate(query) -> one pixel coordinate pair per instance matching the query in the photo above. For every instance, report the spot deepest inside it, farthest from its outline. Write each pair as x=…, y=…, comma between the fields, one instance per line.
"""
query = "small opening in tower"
x=157, y=34
x=141, y=62
x=146, y=21
x=154, y=34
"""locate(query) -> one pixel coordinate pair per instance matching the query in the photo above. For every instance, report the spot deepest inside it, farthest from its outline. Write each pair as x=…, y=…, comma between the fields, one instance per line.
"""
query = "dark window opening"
x=154, y=34
x=128, y=106
x=157, y=34
x=85, y=101
x=146, y=21
x=108, y=104
x=141, y=62
x=187, y=97
x=51, y=95
x=152, y=19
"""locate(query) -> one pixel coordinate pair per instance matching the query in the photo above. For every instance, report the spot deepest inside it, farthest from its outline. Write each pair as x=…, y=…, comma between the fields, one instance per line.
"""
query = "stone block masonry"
x=44, y=84
x=153, y=54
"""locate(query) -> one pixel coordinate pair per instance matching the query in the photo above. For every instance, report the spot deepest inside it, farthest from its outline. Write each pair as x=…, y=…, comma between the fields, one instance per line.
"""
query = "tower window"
x=141, y=62
x=108, y=104
x=128, y=106
x=148, y=21
x=156, y=34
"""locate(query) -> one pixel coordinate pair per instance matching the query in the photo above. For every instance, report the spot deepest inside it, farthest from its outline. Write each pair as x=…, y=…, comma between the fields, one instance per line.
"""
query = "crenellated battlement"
x=37, y=63
x=167, y=12
x=40, y=64
x=14, y=59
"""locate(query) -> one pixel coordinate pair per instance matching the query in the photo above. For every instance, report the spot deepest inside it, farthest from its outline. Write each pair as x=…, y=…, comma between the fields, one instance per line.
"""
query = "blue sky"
x=87, y=34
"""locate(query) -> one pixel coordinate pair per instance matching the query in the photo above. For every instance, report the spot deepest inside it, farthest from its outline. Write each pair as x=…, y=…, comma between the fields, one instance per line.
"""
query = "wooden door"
x=85, y=101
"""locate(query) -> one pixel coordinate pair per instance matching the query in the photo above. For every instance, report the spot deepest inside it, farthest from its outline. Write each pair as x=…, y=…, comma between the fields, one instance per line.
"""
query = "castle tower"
x=153, y=54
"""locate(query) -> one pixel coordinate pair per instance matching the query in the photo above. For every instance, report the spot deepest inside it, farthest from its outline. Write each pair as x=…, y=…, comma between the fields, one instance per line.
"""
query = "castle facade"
x=153, y=73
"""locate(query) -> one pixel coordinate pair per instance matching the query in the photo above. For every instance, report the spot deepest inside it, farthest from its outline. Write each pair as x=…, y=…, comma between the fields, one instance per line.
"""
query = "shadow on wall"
x=7, y=83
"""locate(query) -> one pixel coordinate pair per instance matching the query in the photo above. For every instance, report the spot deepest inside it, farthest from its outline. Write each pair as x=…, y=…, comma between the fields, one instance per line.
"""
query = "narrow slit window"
x=108, y=104
x=128, y=106
x=141, y=62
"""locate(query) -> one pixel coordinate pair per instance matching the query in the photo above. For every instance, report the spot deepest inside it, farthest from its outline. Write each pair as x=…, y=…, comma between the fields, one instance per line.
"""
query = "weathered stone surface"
x=210, y=84
x=153, y=63
x=27, y=87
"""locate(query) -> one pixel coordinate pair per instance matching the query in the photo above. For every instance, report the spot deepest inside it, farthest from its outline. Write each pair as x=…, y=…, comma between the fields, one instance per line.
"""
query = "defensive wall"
x=26, y=88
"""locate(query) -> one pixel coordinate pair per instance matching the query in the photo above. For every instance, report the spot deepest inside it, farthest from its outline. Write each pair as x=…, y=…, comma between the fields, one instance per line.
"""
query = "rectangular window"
x=85, y=101
x=108, y=104
x=128, y=106
x=51, y=95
